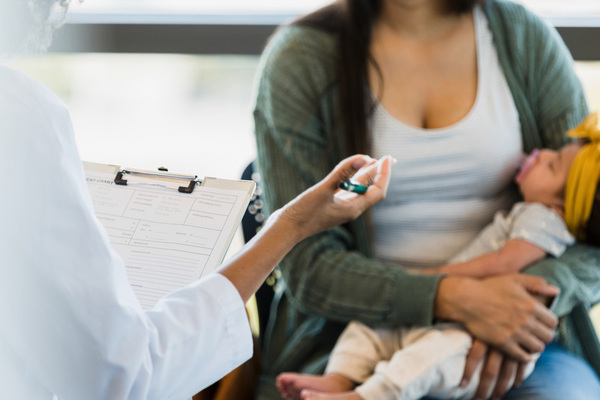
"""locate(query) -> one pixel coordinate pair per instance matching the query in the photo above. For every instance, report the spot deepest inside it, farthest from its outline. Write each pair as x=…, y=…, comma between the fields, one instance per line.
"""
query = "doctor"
x=70, y=325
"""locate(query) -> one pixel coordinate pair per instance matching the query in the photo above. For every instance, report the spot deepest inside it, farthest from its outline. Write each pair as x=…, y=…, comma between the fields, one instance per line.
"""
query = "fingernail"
x=392, y=159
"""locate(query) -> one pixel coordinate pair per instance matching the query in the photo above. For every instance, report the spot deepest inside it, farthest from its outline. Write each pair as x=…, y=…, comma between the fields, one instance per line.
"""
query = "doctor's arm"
x=78, y=327
x=320, y=207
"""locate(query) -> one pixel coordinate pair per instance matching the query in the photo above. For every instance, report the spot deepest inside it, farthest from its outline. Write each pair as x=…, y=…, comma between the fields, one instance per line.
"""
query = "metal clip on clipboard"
x=192, y=179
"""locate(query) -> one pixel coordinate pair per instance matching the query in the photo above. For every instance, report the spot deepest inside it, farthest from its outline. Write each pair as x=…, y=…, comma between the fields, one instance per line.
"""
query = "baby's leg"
x=310, y=395
x=431, y=362
x=291, y=384
x=352, y=361
x=360, y=348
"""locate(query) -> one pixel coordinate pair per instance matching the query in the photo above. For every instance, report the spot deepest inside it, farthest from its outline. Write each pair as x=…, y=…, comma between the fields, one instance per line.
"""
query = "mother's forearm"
x=326, y=278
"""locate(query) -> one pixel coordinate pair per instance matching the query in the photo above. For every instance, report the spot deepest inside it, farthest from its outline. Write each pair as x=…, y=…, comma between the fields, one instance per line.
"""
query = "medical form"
x=166, y=239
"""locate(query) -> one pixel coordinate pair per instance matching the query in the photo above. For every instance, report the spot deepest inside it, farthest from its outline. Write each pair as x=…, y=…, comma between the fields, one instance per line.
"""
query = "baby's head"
x=567, y=180
x=543, y=176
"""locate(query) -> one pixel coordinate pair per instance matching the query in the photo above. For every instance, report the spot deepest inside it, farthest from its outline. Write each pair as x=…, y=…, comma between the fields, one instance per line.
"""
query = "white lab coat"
x=70, y=325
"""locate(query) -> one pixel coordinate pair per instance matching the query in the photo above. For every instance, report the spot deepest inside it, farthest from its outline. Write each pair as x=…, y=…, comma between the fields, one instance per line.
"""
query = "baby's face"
x=544, y=175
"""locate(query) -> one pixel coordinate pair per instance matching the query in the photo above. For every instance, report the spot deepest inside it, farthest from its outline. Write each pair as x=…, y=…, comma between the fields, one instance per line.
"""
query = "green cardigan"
x=332, y=278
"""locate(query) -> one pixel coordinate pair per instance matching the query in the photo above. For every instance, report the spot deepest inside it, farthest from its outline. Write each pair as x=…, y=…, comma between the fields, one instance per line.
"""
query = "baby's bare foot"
x=291, y=384
x=312, y=395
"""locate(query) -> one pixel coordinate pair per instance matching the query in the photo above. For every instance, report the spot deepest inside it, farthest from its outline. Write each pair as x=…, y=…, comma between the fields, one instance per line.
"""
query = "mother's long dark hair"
x=352, y=21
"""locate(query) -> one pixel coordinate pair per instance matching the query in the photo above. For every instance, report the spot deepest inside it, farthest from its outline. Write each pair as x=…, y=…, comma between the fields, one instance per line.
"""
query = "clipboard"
x=169, y=229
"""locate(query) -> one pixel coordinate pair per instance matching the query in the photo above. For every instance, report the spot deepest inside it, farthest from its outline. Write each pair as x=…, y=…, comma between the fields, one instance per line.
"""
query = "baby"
x=561, y=200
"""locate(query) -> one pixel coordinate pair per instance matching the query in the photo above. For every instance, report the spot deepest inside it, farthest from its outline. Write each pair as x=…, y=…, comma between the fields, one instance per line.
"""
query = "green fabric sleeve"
x=328, y=275
x=577, y=273
x=539, y=71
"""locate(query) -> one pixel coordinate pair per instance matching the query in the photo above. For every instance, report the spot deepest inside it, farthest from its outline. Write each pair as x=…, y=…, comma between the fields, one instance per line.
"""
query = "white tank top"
x=448, y=182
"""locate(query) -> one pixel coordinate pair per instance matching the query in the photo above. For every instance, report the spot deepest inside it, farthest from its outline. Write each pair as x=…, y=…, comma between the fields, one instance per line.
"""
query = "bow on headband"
x=583, y=177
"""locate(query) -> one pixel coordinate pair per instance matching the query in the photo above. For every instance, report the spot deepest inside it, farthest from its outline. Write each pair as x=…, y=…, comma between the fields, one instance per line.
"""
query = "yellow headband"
x=583, y=177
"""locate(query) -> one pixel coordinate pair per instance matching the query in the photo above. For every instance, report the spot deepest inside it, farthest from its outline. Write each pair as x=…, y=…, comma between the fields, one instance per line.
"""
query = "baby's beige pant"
x=406, y=363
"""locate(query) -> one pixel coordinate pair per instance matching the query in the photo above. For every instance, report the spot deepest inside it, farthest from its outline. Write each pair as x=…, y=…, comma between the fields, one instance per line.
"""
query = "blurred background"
x=170, y=83
x=152, y=83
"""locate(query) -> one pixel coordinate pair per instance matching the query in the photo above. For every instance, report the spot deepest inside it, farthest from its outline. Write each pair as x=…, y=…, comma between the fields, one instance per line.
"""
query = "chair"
x=252, y=222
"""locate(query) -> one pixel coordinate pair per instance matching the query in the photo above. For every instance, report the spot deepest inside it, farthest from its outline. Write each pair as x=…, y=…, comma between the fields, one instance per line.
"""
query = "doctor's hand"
x=324, y=205
x=318, y=208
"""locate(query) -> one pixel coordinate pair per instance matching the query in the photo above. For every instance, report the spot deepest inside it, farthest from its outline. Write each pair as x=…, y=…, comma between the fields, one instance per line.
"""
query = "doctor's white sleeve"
x=68, y=314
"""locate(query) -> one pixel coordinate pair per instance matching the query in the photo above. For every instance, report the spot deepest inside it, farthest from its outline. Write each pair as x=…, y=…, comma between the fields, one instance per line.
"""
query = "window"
x=191, y=114
x=194, y=107
x=560, y=8
x=187, y=112
x=544, y=7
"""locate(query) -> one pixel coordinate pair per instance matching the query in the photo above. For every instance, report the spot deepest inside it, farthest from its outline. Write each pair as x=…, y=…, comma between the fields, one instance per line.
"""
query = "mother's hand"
x=499, y=373
x=500, y=311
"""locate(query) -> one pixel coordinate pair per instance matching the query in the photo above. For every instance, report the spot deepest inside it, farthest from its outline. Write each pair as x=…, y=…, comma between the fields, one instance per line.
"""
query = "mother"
x=456, y=90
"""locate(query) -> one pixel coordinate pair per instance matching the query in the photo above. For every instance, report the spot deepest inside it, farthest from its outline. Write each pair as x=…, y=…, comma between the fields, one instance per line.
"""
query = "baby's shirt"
x=531, y=222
